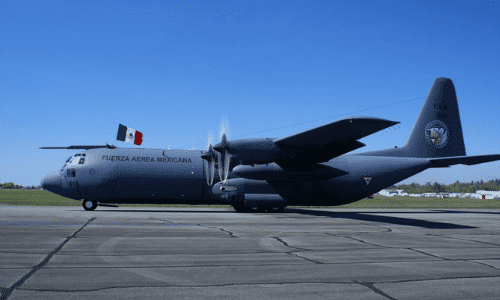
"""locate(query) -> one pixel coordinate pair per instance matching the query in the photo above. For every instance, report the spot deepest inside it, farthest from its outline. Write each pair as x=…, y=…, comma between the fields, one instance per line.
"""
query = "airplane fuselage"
x=164, y=176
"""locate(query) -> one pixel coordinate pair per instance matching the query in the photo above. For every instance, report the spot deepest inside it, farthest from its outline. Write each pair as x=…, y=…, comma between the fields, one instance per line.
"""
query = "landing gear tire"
x=240, y=207
x=89, y=204
x=261, y=209
x=278, y=209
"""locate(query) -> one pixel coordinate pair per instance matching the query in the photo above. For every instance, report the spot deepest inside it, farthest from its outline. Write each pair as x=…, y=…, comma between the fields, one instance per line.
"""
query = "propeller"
x=223, y=155
x=209, y=161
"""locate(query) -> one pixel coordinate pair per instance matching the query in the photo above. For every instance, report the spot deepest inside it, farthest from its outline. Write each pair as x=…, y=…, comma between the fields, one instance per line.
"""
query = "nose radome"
x=53, y=183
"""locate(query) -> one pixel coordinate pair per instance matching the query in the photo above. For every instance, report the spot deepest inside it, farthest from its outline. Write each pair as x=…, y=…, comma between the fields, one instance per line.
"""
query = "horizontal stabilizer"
x=463, y=160
x=345, y=129
x=84, y=147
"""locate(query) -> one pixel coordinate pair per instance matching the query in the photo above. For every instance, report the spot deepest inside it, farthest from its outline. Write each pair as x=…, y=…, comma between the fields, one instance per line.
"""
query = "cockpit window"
x=66, y=163
x=75, y=159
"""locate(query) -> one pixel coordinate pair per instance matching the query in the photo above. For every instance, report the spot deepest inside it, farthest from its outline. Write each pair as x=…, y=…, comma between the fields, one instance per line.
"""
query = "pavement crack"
x=6, y=292
x=296, y=248
x=371, y=287
x=231, y=234
x=386, y=228
x=161, y=220
x=286, y=244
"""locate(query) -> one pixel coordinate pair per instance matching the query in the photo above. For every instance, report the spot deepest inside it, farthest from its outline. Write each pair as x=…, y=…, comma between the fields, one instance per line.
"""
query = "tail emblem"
x=436, y=134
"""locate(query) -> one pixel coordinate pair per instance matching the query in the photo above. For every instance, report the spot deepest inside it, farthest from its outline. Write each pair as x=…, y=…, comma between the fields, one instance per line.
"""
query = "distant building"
x=391, y=193
x=489, y=194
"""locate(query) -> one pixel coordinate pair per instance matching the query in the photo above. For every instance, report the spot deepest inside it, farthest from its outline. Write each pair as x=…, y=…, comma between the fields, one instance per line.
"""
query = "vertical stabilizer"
x=438, y=130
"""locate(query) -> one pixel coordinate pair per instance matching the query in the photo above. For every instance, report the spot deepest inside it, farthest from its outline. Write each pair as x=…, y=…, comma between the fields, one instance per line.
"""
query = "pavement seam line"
x=308, y=259
x=437, y=279
x=364, y=242
x=374, y=289
x=428, y=254
x=483, y=264
x=463, y=239
x=8, y=291
x=255, y=284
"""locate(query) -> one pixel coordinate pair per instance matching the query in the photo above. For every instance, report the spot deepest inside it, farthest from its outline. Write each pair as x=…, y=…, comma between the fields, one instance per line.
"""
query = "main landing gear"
x=89, y=204
x=240, y=207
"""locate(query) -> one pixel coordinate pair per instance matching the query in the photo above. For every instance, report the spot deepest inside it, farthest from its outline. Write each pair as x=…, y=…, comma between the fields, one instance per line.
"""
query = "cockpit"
x=77, y=159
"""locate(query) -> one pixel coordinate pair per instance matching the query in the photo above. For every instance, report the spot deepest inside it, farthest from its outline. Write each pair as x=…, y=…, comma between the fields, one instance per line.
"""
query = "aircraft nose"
x=53, y=183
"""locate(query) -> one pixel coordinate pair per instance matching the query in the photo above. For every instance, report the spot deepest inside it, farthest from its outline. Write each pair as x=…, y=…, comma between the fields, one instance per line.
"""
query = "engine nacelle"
x=255, y=151
x=235, y=190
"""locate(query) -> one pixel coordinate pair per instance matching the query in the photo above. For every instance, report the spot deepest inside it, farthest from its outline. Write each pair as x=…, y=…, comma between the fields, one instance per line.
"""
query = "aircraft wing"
x=352, y=128
x=325, y=142
x=443, y=162
x=84, y=147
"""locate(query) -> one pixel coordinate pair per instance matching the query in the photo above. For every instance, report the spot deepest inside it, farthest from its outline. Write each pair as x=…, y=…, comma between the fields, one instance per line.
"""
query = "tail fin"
x=438, y=130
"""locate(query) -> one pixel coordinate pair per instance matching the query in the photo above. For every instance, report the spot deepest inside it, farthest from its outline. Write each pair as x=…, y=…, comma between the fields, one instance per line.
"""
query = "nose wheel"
x=89, y=204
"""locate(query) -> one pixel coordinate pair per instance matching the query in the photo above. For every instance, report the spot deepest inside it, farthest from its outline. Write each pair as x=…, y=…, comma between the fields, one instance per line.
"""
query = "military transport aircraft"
x=267, y=174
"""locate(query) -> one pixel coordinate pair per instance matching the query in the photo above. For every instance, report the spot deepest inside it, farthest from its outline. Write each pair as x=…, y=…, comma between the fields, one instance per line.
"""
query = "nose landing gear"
x=89, y=204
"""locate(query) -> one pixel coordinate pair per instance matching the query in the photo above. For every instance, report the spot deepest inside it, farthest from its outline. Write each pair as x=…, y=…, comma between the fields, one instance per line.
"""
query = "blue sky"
x=71, y=71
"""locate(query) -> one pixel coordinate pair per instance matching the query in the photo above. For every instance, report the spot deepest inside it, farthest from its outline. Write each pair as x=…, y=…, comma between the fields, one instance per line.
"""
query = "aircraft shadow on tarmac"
x=163, y=211
x=466, y=212
x=362, y=216
x=383, y=219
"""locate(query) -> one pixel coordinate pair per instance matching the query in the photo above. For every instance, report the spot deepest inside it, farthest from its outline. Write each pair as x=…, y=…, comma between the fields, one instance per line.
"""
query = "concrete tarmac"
x=213, y=253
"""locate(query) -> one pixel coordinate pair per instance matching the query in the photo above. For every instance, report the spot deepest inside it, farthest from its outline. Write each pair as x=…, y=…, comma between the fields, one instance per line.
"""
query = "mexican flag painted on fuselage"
x=129, y=135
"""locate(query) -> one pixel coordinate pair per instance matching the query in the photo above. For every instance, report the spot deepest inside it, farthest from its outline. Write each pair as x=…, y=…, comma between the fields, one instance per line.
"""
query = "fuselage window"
x=82, y=161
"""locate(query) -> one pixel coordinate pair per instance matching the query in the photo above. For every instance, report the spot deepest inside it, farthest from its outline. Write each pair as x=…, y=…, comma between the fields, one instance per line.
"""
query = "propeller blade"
x=224, y=127
x=209, y=161
x=211, y=171
x=224, y=157
x=225, y=167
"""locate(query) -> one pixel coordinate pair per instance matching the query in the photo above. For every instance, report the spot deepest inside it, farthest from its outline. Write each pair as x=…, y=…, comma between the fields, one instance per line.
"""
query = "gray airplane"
x=267, y=174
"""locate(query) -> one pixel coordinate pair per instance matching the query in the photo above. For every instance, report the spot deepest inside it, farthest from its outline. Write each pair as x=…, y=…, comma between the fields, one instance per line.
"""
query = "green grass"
x=34, y=198
x=432, y=203
x=46, y=198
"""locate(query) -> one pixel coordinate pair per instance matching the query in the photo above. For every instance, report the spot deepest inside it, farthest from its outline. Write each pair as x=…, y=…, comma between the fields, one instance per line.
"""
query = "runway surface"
x=213, y=253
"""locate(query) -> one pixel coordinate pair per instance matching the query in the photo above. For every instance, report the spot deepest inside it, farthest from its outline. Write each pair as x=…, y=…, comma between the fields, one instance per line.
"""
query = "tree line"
x=456, y=187
x=11, y=185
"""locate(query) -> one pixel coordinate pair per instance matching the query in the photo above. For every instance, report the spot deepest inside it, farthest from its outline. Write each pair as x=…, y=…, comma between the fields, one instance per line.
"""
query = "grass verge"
x=46, y=198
